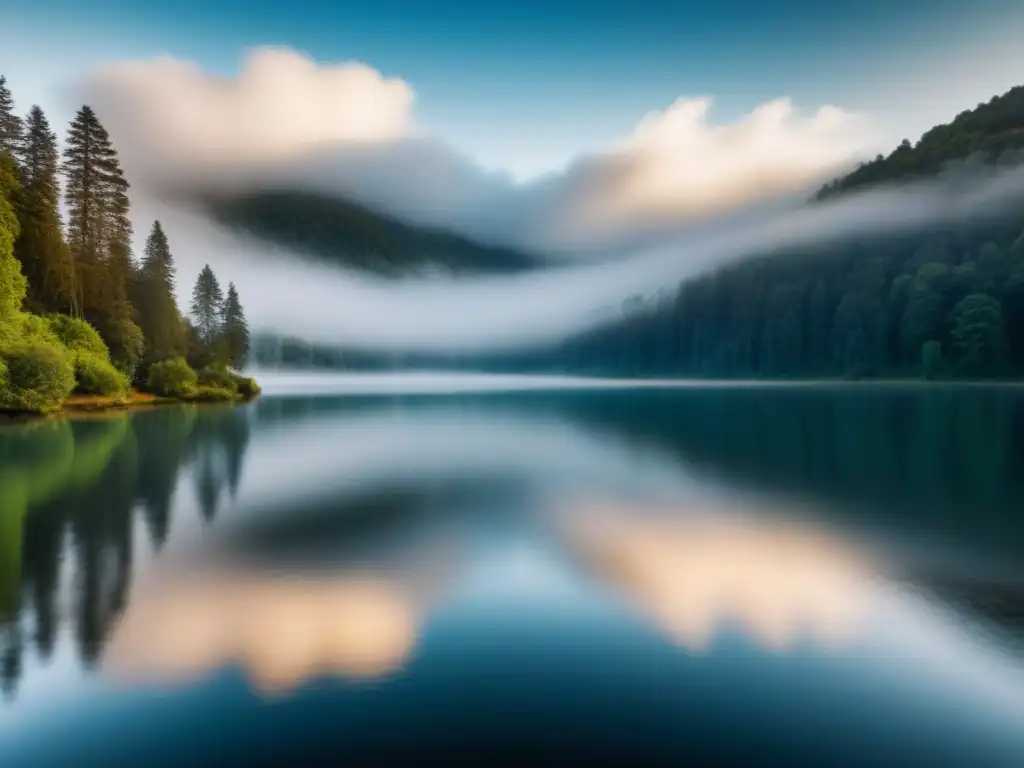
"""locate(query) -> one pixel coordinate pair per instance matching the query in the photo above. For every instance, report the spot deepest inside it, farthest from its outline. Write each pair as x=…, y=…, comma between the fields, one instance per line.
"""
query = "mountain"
x=992, y=132
x=348, y=234
x=947, y=302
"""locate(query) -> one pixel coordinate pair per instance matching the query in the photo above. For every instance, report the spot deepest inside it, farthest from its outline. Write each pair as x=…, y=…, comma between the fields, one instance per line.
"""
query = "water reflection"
x=357, y=499
x=70, y=492
x=780, y=581
x=283, y=630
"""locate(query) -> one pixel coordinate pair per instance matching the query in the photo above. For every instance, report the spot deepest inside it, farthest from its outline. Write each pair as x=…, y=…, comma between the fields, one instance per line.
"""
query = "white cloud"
x=678, y=165
x=172, y=118
x=286, y=119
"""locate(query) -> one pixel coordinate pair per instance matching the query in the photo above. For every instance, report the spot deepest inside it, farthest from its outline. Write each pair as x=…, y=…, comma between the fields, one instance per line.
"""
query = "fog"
x=677, y=196
x=327, y=304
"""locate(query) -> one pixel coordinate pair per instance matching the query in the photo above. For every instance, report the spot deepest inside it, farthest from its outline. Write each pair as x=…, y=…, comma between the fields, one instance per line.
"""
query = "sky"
x=560, y=127
x=525, y=86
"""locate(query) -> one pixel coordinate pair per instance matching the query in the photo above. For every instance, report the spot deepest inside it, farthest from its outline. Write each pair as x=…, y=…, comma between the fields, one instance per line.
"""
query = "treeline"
x=948, y=302
x=78, y=313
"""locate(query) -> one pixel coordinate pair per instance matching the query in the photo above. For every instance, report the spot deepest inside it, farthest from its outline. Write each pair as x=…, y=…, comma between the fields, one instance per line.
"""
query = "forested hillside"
x=946, y=302
x=347, y=234
x=993, y=131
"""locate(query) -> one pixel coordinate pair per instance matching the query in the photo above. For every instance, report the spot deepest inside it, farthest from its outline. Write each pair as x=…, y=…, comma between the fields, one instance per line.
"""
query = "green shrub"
x=246, y=387
x=10, y=333
x=36, y=331
x=95, y=375
x=77, y=335
x=205, y=394
x=38, y=378
x=218, y=377
x=171, y=378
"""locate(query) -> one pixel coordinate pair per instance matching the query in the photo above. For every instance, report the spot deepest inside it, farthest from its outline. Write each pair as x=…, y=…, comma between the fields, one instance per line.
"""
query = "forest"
x=79, y=314
x=348, y=234
x=946, y=303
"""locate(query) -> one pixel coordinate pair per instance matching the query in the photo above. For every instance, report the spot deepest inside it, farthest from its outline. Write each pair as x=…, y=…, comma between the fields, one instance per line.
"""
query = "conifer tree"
x=207, y=307
x=82, y=195
x=115, y=318
x=157, y=310
x=44, y=256
x=99, y=234
x=236, y=330
x=10, y=124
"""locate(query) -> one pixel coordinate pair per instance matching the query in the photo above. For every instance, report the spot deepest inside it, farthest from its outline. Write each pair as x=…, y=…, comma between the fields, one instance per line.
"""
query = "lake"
x=547, y=571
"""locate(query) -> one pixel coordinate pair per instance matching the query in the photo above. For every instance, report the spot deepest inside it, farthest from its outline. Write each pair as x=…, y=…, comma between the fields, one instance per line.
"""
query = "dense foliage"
x=176, y=378
x=77, y=335
x=77, y=313
x=94, y=375
x=172, y=378
x=38, y=378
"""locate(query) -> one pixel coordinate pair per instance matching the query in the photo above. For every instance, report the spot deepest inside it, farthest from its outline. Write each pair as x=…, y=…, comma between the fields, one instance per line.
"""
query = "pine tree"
x=82, y=195
x=236, y=330
x=99, y=234
x=208, y=307
x=157, y=260
x=157, y=310
x=10, y=124
x=115, y=317
x=44, y=256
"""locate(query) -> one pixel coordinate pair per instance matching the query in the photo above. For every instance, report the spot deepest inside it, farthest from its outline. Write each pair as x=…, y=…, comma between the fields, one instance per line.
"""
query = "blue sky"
x=527, y=85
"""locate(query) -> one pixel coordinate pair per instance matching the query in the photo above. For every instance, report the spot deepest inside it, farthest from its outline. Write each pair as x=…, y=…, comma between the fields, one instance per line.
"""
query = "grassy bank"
x=215, y=385
x=78, y=405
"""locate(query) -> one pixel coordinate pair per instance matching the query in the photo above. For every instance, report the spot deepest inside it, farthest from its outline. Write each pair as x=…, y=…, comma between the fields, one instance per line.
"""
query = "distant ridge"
x=993, y=131
x=946, y=302
x=346, y=233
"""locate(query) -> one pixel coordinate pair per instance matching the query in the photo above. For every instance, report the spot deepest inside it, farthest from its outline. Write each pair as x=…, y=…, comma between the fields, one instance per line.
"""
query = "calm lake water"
x=823, y=575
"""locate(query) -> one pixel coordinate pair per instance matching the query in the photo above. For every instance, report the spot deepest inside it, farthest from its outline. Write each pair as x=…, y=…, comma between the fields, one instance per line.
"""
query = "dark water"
x=806, y=575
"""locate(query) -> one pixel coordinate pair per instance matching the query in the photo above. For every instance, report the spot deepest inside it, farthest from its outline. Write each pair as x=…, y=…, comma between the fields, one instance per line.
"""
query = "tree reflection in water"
x=69, y=494
x=932, y=467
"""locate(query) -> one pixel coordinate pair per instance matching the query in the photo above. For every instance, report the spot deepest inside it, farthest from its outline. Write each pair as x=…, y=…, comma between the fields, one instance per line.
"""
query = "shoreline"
x=86, y=405
x=314, y=381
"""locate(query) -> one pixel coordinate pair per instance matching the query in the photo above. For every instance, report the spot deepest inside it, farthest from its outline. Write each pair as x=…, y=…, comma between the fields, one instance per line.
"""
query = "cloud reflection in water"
x=686, y=571
x=781, y=581
x=284, y=629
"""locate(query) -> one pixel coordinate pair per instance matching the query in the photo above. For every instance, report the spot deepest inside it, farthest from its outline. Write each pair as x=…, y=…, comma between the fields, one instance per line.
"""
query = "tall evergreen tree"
x=157, y=311
x=44, y=256
x=99, y=233
x=207, y=307
x=10, y=124
x=236, y=330
x=114, y=318
x=83, y=198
